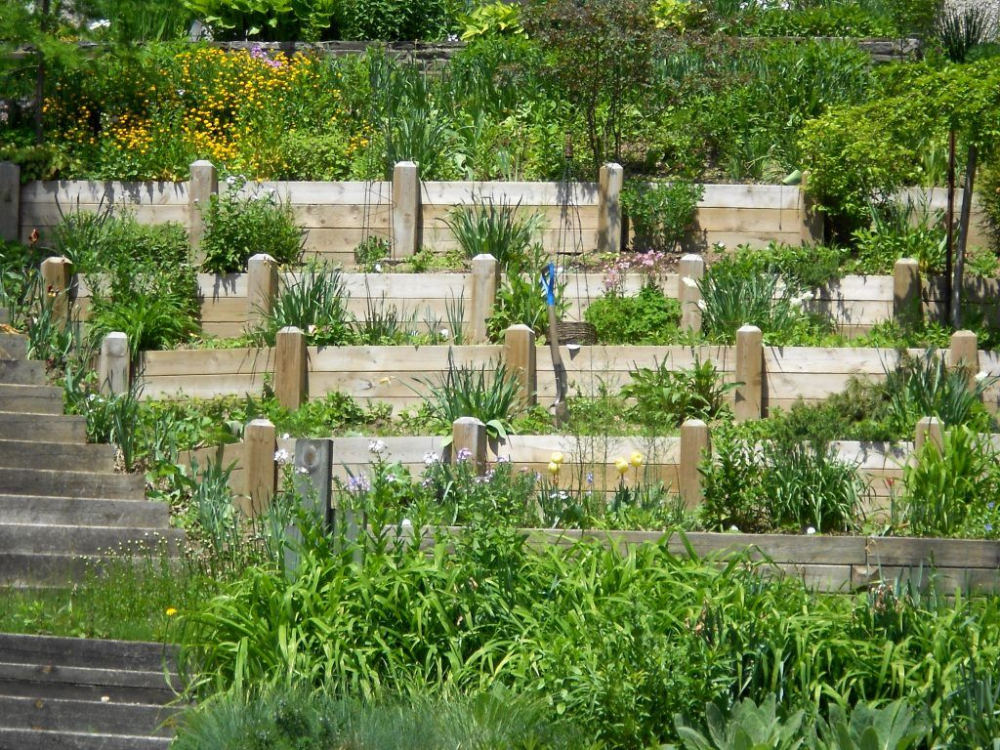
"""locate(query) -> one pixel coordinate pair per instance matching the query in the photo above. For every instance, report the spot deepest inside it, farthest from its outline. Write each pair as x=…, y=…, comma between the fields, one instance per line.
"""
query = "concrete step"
x=29, y=739
x=54, y=428
x=36, y=399
x=13, y=345
x=71, y=511
x=73, y=483
x=53, y=682
x=22, y=372
x=30, y=454
x=100, y=717
x=28, y=539
x=133, y=656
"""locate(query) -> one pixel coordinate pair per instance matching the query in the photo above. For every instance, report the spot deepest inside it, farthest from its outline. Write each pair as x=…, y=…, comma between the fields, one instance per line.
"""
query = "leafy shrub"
x=666, y=398
x=316, y=303
x=781, y=484
x=398, y=20
x=489, y=393
x=945, y=485
x=520, y=300
x=900, y=231
x=747, y=726
x=486, y=227
x=650, y=317
x=801, y=266
x=238, y=227
x=268, y=20
x=660, y=214
x=370, y=253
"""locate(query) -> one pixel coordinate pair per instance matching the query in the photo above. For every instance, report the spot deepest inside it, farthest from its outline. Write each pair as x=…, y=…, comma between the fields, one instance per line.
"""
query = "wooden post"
x=262, y=287
x=695, y=443
x=55, y=278
x=749, y=402
x=485, y=281
x=468, y=442
x=290, y=368
x=10, y=201
x=113, y=371
x=519, y=358
x=259, y=465
x=405, y=209
x=609, y=208
x=907, y=306
x=964, y=352
x=203, y=184
x=691, y=270
x=812, y=220
x=928, y=428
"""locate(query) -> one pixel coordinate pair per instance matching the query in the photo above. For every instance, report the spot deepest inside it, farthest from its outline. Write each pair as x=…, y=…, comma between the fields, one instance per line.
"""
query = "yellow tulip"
x=556, y=458
x=636, y=459
x=621, y=465
x=553, y=468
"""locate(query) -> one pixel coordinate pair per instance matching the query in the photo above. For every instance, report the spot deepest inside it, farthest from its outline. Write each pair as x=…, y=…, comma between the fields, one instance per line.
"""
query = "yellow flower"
x=556, y=458
x=171, y=611
x=621, y=465
x=553, y=468
x=636, y=459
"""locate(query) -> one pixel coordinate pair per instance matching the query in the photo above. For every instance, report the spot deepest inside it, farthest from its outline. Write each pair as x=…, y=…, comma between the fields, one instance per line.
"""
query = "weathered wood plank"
x=528, y=193
x=391, y=359
x=104, y=193
x=326, y=193
x=206, y=362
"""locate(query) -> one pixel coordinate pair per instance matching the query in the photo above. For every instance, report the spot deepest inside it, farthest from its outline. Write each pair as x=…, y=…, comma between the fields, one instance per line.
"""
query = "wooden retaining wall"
x=579, y=217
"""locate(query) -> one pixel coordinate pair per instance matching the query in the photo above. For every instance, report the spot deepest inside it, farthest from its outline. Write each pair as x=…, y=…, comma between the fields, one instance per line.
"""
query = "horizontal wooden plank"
x=201, y=386
x=339, y=240
x=325, y=193
x=756, y=220
x=95, y=192
x=528, y=193
x=784, y=197
x=392, y=359
x=941, y=553
x=206, y=362
x=815, y=360
x=945, y=580
x=552, y=217
x=439, y=238
x=601, y=360
x=857, y=289
x=311, y=216
x=51, y=214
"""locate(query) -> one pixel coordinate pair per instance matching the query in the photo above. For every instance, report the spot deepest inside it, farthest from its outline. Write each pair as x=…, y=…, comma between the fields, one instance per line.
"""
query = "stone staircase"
x=74, y=694
x=62, y=506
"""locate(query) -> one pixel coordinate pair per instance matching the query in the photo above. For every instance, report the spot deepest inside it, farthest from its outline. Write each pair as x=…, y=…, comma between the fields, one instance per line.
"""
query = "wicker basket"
x=572, y=332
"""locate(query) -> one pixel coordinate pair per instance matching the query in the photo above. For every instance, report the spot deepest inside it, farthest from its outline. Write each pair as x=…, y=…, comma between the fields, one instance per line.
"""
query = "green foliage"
x=650, y=317
x=316, y=303
x=892, y=727
x=801, y=266
x=398, y=20
x=665, y=397
x=492, y=20
x=900, y=230
x=371, y=253
x=944, y=485
x=521, y=301
x=488, y=227
x=782, y=484
x=489, y=393
x=732, y=297
x=238, y=226
x=660, y=214
x=975, y=716
x=297, y=719
x=747, y=726
x=961, y=30
x=268, y=20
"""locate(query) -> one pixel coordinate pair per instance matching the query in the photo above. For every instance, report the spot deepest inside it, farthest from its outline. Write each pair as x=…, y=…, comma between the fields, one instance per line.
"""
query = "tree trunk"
x=963, y=237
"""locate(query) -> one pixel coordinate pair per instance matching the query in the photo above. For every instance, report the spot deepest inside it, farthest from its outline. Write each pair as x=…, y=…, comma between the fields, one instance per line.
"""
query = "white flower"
x=282, y=458
x=285, y=436
x=376, y=447
x=102, y=24
x=453, y=37
x=808, y=297
x=981, y=376
x=378, y=268
x=811, y=530
x=444, y=333
x=431, y=458
x=795, y=302
x=230, y=180
x=702, y=305
x=689, y=282
x=734, y=528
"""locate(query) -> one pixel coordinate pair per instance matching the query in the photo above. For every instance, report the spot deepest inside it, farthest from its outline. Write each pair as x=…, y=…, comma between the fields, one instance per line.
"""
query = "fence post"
x=609, y=208
x=485, y=281
x=405, y=209
x=203, y=184
x=260, y=467
x=812, y=220
x=262, y=287
x=519, y=358
x=907, y=306
x=468, y=436
x=928, y=429
x=55, y=277
x=749, y=402
x=10, y=201
x=311, y=478
x=695, y=442
x=290, y=365
x=691, y=270
x=964, y=352
x=113, y=370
